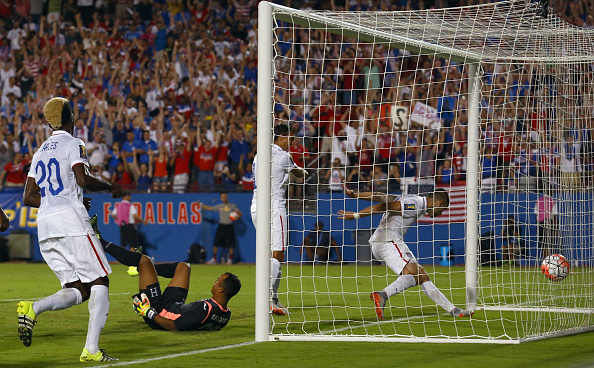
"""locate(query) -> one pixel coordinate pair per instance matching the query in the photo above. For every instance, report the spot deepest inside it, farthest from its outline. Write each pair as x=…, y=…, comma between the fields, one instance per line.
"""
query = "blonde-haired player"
x=387, y=243
x=282, y=165
x=59, y=172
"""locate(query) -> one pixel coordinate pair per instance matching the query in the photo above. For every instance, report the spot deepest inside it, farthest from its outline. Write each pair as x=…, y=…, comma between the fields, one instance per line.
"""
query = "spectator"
x=14, y=172
x=204, y=162
x=318, y=245
x=113, y=158
x=247, y=178
x=180, y=161
x=97, y=151
x=122, y=176
x=147, y=148
x=335, y=176
x=394, y=179
x=489, y=178
x=160, y=175
x=446, y=173
x=6, y=154
x=380, y=180
x=238, y=149
x=129, y=153
x=145, y=179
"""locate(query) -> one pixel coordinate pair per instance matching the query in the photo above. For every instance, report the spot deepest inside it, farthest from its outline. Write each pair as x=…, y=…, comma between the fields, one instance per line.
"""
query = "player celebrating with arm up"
x=59, y=172
x=387, y=243
x=282, y=165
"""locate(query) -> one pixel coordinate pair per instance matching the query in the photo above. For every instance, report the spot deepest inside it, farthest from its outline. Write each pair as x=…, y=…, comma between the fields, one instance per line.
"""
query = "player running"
x=59, y=172
x=282, y=165
x=387, y=243
x=168, y=310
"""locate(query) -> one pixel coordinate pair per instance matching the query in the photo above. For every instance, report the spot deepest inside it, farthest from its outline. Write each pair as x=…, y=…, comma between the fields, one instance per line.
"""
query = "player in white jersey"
x=59, y=172
x=282, y=165
x=387, y=243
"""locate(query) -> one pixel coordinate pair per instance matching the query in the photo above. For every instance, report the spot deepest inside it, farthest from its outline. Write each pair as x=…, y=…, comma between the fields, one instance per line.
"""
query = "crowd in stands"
x=164, y=95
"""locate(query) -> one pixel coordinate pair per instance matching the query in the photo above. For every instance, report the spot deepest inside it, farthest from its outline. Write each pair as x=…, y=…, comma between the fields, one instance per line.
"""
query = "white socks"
x=275, y=275
x=402, y=283
x=437, y=296
x=98, y=309
x=63, y=299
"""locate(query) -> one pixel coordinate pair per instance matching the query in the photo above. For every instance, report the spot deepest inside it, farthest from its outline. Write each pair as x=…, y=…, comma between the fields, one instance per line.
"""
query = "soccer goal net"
x=493, y=103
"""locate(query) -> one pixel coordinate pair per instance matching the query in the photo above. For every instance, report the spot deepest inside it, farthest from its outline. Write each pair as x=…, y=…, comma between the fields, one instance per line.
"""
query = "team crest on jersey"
x=83, y=152
x=409, y=206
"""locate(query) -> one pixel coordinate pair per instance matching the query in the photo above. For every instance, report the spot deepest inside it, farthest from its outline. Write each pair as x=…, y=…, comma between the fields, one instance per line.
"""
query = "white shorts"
x=395, y=254
x=75, y=258
x=278, y=231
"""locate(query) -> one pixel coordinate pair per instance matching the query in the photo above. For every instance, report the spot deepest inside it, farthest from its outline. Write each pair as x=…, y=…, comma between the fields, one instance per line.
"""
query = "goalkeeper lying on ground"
x=167, y=310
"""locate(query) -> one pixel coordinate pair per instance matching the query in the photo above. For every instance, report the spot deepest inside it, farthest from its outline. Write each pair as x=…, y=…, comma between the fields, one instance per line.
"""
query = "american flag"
x=457, y=210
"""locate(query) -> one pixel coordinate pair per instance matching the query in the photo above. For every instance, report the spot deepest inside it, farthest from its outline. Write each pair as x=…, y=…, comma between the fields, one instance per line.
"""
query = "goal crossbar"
x=431, y=28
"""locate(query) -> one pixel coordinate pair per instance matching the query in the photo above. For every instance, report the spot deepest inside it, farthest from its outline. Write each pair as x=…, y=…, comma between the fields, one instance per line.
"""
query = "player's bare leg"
x=98, y=310
x=422, y=278
x=147, y=275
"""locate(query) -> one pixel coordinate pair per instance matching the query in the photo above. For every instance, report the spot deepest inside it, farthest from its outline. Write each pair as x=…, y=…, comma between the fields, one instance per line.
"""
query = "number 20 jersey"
x=61, y=212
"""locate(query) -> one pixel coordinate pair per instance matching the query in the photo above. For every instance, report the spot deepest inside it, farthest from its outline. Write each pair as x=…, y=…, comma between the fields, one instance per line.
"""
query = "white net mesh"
x=380, y=100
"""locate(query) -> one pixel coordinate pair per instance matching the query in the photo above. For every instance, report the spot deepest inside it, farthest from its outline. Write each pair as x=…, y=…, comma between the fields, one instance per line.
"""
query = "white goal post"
x=495, y=104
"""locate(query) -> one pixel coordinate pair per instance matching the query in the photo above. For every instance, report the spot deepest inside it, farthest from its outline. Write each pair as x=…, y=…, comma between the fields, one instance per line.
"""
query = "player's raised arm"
x=394, y=208
x=370, y=196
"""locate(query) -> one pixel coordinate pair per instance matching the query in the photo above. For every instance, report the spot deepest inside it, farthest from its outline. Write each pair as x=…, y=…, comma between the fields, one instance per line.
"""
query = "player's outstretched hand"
x=142, y=306
x=87, y=203
x=346, y=215
x=4, y=222
x=347, y=191
x=116, y=190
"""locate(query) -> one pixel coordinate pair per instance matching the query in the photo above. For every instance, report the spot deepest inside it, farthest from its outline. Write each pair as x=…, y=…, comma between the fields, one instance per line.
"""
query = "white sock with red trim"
x=63, y=299
x=98, y=309
x=402, y=283
x=437, y=296
x=275, y=275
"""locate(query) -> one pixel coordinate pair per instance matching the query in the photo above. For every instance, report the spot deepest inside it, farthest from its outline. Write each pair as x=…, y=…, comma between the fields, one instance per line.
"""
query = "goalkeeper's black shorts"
x=167, y=304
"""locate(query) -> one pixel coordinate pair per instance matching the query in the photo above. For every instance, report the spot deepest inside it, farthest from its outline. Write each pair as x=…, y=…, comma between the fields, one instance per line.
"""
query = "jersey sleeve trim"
x=81, y=161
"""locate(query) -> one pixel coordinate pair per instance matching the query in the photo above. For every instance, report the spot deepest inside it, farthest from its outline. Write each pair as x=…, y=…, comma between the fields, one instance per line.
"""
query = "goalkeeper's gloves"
x=142, y=306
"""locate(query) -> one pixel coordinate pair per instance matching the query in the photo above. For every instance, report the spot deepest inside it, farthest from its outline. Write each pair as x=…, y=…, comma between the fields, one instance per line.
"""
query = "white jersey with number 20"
x=62, y=212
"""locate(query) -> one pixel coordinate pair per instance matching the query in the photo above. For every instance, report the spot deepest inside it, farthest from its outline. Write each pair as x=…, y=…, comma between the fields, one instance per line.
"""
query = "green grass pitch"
x=59, y=336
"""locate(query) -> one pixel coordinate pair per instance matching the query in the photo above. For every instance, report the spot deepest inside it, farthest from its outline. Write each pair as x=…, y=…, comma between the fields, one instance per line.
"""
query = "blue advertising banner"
x=176, y=221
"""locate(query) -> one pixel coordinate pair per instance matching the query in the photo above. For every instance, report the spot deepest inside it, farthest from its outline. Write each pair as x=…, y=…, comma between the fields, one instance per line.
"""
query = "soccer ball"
x=234, y=216
x=555, y=267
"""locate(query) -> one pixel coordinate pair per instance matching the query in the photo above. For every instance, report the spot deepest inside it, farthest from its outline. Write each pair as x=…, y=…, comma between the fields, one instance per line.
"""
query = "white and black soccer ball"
x=555, y=267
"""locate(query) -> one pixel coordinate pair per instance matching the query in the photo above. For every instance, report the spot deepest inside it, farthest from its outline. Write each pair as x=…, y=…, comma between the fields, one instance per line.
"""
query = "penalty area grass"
x=59, y=336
